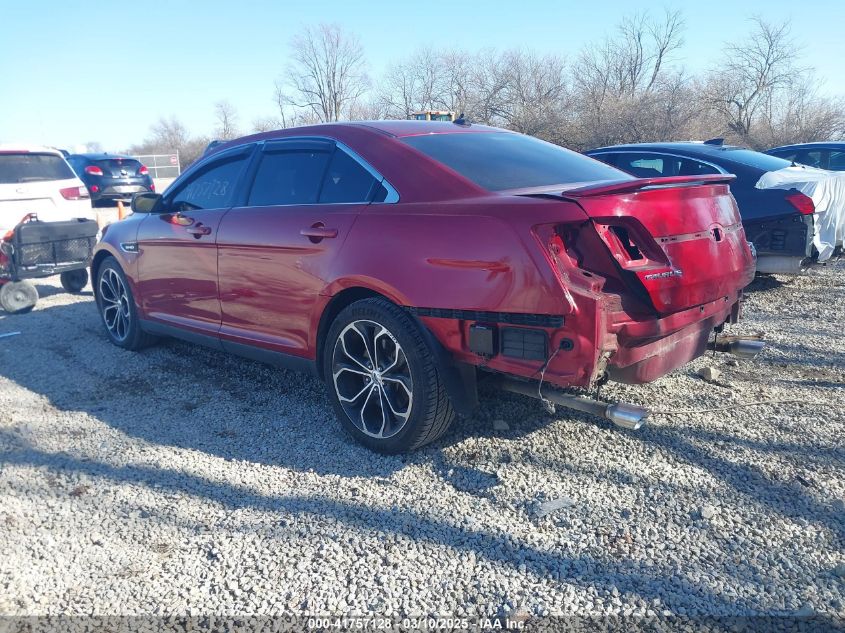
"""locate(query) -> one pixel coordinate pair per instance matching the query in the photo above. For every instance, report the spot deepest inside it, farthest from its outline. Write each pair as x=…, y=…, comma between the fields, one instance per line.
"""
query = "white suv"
x=39, y=180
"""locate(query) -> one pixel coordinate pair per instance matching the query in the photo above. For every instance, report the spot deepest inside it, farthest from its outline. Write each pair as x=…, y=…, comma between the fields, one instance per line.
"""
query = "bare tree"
x=746, y=80
x=227, y=121
x=327, y=74
x=634, y=61
x=628, y=88
x=266, y=124
x=799, y=113
x=168, y=136
x=415, y=84
x=525, y=92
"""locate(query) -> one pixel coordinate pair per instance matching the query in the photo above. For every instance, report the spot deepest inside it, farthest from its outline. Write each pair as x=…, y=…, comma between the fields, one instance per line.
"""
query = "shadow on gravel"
x=189, y=397
x=646, y=580
x=798, y=355
x=787, y=498
x=765, y=283
x=179, y=395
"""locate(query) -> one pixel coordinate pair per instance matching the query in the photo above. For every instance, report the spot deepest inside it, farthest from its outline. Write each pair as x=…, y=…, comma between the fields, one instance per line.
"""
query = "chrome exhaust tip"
x=626, y=416
x=740, y=346
x=746, y=348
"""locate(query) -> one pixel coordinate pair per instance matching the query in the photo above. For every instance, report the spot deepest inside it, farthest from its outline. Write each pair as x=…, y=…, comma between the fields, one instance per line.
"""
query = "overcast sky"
x=73, y=72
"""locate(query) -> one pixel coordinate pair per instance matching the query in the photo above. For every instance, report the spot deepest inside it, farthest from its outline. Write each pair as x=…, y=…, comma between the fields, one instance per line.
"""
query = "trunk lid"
x=679, y=237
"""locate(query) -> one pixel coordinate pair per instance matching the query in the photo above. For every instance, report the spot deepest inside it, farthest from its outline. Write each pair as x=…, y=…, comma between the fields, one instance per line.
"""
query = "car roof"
x=104, y=156
x=11, y=148
x=819, y=144
x=689, y=147
x=400, y=128
x=389, y=128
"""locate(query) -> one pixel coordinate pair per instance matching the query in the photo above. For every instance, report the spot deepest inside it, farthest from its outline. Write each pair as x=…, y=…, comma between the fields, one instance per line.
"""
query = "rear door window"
x=33, y=167
x=288, y=177
x=647, y=164
x=346, y=180
x=810, y=157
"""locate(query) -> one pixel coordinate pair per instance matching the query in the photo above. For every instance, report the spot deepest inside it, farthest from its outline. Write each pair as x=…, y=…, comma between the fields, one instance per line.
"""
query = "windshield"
x=757, y=160
x=498, y=161
x=32, y=167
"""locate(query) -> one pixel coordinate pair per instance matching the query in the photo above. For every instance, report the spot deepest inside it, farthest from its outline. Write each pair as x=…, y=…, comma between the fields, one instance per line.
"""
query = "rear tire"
x=116, y=305
x=74, y=281
x=18, y=297
x=383, y=379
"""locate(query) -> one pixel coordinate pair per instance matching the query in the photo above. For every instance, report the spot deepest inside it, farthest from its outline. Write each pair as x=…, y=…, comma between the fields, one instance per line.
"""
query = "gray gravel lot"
x=183, y=481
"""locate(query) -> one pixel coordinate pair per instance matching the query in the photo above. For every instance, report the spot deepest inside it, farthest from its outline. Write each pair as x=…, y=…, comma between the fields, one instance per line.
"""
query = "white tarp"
x=827, y=190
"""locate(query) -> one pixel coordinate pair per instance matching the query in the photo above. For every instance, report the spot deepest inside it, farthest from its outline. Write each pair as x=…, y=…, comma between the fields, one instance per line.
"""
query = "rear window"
x=498, y=161
x=118, y=163
x=758, y=160
x=33, y=167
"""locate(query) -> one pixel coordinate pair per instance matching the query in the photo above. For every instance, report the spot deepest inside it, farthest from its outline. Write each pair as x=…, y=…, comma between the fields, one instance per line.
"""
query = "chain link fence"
x=161, y=165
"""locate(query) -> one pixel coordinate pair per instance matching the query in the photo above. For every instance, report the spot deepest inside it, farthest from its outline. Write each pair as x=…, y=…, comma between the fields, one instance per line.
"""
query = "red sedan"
x=401, y=261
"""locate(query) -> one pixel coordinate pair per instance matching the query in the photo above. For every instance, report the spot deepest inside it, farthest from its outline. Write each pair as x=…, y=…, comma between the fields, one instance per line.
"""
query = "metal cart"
x=35, y=249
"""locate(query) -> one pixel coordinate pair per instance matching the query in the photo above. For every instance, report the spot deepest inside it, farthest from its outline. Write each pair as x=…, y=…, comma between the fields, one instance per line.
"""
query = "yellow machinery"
x=433, y=115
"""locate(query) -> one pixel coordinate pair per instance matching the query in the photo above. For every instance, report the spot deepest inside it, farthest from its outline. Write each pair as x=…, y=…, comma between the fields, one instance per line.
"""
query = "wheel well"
x=336, y=304
x=99, y=258
x=460, y=379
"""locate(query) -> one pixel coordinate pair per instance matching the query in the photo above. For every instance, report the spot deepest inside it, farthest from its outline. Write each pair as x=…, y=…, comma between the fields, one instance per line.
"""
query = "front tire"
x=117, y=308
x=18, y=297
x=383, y=380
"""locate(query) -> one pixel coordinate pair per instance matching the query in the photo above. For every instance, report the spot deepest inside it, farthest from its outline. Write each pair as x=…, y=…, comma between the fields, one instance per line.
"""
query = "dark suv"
x=110, y=176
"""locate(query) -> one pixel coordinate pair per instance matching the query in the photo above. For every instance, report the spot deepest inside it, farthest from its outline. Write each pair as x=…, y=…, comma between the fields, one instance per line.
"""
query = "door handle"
x=199, y=230
x=318, y=232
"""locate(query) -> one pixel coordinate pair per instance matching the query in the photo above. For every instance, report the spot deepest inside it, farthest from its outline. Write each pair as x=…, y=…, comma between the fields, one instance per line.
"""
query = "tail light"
x=803, y=203
x=152, y=186
x=74, y=193
x=144, y=171
x=93, y=170
x=631, y=245
x=94, y=188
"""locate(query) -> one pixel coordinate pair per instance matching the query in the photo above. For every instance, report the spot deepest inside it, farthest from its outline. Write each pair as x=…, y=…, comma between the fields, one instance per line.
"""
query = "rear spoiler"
x=638, y=184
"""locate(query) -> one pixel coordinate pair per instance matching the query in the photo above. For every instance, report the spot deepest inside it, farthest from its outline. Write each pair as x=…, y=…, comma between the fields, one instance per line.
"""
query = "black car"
x=827, y=155
x=110, y=176
x=779, y=222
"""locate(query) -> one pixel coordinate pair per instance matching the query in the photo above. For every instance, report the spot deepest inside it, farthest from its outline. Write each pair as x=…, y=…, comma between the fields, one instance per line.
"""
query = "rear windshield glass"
x=498, y=161
x=119, y=163
x=31, y=167
x=757, y=160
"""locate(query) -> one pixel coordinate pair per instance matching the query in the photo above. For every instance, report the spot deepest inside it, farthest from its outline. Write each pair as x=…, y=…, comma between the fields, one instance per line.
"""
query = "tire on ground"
x=431, y=410
x=132, y=337
x=74, y=280
x=18, y=297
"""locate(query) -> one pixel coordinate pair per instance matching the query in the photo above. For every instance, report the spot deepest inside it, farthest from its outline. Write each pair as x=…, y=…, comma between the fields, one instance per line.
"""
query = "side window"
x=690, y=167
x=346, y=181
x=288, y=177
x=837, y=160
x=212, y=188
x=647, y=165
x=811, y=158
x=610, y=159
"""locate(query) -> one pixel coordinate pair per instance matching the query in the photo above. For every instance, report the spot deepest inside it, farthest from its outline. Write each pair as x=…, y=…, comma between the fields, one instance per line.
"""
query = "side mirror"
x=146, y=202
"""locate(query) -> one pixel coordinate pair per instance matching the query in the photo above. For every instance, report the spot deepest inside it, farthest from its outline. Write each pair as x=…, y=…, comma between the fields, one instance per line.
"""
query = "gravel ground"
x=184, y=481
